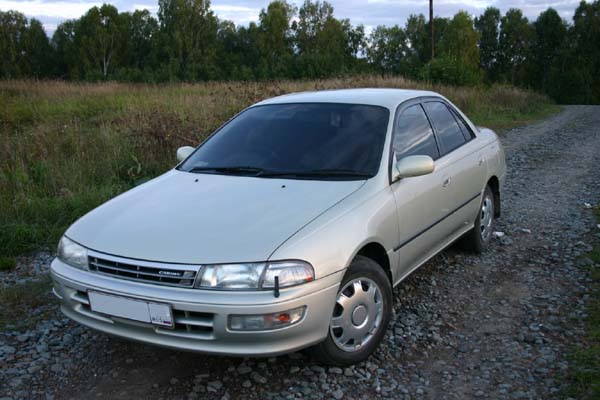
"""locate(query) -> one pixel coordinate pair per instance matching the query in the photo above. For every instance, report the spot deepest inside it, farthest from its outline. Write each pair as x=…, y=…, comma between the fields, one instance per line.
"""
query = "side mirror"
x=412, y=166
x=184, y=152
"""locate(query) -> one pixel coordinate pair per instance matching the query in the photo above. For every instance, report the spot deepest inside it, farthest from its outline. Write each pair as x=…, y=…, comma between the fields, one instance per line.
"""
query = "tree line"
x=187, y=42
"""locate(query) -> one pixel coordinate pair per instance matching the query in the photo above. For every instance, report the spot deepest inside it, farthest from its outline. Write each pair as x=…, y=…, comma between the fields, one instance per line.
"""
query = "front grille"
x=187, y=324
x=143, y=272
x=190, y=325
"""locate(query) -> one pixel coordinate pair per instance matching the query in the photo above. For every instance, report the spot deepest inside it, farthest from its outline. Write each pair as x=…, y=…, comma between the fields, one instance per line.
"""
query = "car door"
x=422, y=202
x=462, y=163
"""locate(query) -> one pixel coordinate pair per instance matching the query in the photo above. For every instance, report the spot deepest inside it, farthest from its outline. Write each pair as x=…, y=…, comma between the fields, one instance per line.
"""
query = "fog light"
x=265, y=322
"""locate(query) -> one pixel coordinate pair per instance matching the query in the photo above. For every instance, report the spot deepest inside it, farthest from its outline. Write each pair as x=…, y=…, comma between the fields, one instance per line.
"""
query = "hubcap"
x=357, y=314
x=486, y=217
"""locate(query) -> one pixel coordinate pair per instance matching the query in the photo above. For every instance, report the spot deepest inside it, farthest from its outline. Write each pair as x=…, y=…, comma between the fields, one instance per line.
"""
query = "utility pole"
x=432, y=29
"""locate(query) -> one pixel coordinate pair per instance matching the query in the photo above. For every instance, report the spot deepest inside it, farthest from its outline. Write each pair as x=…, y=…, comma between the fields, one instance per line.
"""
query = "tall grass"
x=67, y=147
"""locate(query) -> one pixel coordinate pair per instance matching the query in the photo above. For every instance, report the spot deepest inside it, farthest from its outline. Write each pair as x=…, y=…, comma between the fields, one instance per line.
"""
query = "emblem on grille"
x=169, y=273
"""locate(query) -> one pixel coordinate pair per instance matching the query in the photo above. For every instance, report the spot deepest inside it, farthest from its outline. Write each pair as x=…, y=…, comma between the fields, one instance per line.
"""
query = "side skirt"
x=436, y=252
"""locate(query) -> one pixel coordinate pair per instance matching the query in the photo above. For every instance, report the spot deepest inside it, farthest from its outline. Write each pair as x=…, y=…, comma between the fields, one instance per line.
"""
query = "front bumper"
x=201, y=316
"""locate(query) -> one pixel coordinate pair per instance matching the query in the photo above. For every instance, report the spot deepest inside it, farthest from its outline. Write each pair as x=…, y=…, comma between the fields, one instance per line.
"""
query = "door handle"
x=481, y=160
x=447, y=181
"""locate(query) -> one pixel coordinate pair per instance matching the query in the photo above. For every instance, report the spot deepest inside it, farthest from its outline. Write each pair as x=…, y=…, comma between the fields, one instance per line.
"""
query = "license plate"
x=136, y=310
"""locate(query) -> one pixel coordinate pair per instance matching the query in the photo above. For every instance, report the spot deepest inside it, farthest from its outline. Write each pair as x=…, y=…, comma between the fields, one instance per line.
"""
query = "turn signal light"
x=264, y=322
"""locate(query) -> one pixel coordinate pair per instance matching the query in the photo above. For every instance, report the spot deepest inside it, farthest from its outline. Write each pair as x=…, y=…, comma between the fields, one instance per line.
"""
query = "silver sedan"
x=287, y=228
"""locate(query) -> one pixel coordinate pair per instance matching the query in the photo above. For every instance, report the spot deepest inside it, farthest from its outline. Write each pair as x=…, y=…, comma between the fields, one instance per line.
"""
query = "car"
x=287, y=228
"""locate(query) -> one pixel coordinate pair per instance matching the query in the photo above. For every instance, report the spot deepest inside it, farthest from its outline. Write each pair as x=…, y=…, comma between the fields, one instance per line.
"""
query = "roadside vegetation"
x=66, y=148
x=584, y=374
x=188, y=42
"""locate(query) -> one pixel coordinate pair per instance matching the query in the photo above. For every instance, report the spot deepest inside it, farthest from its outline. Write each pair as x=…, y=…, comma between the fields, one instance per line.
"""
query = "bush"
x=448, y=71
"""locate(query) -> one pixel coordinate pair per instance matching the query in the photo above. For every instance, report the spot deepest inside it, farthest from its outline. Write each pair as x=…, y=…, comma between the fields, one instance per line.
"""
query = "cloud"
x=241, y=15
x=56, y=9
x=153, y=8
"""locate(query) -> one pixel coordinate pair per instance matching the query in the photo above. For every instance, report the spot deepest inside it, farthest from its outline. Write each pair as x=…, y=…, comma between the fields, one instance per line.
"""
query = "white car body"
x=186, y=219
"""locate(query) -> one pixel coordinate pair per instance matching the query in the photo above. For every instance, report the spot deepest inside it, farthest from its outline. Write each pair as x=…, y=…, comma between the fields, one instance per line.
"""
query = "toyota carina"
x=287, y=228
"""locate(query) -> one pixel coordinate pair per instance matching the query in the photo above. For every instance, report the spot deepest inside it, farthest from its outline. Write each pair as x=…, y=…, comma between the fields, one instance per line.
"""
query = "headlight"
x=253, y=276
x=73, y=254
x=290, y=273
x=231, y=276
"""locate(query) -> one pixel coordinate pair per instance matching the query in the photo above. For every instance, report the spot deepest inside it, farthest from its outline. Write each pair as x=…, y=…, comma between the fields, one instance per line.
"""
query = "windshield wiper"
x=318, y=173
x=230, y=170
x=255, y=171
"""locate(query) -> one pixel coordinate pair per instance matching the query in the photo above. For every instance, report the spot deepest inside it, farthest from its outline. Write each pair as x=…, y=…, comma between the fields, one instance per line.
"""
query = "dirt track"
x=490, y=326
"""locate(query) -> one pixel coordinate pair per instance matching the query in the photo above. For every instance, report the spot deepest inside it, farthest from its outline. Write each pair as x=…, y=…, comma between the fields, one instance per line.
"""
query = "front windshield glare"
x=305, y=141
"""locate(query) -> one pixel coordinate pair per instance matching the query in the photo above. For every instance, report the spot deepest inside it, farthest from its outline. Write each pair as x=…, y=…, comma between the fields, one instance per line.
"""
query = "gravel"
x=495, y=326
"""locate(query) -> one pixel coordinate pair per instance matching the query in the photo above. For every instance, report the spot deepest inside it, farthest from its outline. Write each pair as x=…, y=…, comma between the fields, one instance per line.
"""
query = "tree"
x=488, y=26
x=516, y=37
x=13, y=26
x=416, y=34
x=63, y=42
x=275, y=38
x=457, y=62
x=36, y=53
x=141, y=39
x=99, y=40
x=24, y=47
x=551, y=33
x=388, y=48
x=460, y=41
x=321, y=41
x=189, y=37
x=583, y=63
x=249, y=39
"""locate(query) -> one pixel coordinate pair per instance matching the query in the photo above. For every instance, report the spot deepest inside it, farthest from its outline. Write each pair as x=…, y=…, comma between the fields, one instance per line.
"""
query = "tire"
x=365, y=316
x=478, y=238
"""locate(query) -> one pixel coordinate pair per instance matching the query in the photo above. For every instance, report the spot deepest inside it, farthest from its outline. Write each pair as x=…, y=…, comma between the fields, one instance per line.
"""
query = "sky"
x=367, y=12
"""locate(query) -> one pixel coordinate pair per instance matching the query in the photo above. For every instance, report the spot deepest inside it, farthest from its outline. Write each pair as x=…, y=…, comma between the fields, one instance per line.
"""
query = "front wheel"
x=478, y=238
x=360, y=316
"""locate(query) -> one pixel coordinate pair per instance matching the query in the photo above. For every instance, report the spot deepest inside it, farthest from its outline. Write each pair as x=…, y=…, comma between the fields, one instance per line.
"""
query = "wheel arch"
x=376, y=252
x=494, y=184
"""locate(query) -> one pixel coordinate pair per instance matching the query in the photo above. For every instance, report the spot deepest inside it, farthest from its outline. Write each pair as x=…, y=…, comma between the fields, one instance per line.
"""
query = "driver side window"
x=413, y=134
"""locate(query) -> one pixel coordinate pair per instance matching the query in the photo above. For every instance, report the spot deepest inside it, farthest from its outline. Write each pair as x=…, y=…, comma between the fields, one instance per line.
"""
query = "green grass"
x=501, y=122
x=21, y=300
x=584, y=373
x=67, y=147
x=7, y=263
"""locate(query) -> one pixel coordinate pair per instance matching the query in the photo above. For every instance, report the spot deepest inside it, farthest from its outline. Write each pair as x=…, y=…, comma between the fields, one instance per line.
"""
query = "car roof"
x=389, y=98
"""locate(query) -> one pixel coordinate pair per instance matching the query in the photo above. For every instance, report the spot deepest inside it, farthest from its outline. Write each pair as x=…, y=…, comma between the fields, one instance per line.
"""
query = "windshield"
x=305, y=141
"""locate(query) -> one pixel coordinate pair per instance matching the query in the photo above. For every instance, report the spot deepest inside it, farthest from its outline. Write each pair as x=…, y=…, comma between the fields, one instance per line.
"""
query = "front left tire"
x=360, y=315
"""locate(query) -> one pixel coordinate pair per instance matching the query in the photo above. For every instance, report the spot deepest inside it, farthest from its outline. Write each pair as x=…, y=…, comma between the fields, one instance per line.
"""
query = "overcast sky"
x=368, y=12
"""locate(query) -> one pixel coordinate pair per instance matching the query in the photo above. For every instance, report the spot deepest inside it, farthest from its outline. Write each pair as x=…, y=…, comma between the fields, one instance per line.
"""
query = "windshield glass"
x=306, y=141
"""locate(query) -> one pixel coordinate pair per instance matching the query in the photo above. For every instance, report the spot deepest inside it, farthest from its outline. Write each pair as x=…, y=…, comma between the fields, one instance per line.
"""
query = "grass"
x=67, y=147
x=25, y=299
x=584, y=373
x=7, y=263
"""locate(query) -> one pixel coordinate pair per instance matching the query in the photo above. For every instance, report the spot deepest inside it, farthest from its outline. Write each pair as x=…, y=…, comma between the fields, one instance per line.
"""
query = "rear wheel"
x=360, y=316
x=478, y=238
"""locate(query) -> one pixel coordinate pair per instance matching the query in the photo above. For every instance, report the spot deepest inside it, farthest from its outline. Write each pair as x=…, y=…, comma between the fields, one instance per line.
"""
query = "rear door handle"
x=481, y=160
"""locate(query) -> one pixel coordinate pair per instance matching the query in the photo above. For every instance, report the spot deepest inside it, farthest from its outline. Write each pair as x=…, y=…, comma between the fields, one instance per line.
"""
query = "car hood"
x=182, y=217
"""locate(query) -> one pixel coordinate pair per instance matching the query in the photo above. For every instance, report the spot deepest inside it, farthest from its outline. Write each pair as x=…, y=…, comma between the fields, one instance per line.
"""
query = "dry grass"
x=67, y=147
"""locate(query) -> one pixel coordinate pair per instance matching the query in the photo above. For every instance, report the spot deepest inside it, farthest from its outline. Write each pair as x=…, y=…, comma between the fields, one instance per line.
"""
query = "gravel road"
x=493, y=326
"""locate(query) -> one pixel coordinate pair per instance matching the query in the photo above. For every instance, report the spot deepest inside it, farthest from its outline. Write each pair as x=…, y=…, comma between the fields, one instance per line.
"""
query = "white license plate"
x=137, y=310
